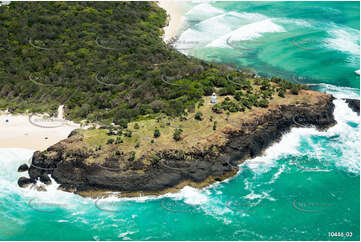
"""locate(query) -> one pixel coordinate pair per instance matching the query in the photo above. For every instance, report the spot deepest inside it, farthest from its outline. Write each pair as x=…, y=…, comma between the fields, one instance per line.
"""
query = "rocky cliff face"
x=176, y=168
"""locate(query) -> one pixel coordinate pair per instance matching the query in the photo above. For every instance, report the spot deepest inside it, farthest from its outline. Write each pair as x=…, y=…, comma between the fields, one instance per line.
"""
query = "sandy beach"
x=175, y=18
x=33, y=132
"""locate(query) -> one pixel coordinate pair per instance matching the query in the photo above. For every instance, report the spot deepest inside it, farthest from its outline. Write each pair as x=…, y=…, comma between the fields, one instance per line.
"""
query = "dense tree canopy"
x=106, y=61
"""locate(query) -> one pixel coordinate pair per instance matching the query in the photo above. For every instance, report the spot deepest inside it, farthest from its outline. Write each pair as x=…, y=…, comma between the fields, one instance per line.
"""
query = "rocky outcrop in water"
x=354, y=104
x=170, y=168
x=24, y=181
x=23, y=168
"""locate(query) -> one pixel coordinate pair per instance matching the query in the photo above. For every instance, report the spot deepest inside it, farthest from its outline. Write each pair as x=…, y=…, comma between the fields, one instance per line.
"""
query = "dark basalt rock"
x=23, y=167
x=173, y=167
x=354, y=104
x=24, y=181
x=45, y=179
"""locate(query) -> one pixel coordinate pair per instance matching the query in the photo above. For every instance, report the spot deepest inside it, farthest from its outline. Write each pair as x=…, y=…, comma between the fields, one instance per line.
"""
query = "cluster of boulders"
x=25, y=181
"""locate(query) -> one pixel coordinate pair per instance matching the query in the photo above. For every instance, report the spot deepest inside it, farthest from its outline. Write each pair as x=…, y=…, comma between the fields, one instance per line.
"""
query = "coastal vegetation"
x=151, y=123
x=107, y=63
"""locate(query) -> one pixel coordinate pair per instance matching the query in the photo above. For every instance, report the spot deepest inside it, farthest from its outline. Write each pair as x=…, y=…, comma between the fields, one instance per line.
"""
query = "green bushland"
x=106, y=62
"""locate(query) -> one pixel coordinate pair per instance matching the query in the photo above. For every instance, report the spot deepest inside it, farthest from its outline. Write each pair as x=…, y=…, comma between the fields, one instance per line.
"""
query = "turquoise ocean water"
x=303, y=188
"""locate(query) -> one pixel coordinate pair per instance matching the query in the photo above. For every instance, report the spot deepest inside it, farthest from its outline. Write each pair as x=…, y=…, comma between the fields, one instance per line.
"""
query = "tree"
x=214, y=125
x=136, y=126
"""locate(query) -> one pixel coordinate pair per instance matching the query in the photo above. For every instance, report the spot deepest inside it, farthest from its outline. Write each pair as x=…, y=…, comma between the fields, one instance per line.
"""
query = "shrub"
x=154, y=160
x=117, y=153
x=263, y=103
x=228, y=90
x=136, y=126
x=182, y=118
x=156, y=133
x=217, y=108
x=110, y=131
x=123, y=123
x=118, y=140
x=119, y=131
x=282, y=92
x=198, y=116
x=215, y=125
x=295, y=89
x=201, y=102
x=131, y=156
x=177, y=134
x=137, y=145
x=110, y=141
x=238, y=96
x=128, y=133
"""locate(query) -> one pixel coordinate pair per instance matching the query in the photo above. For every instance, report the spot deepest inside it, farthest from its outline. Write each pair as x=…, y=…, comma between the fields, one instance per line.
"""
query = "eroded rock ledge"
x=173, y=169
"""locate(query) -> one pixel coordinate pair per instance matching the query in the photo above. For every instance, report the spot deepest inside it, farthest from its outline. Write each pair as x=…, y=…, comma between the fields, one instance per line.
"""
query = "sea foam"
x=247, y=32
x=202, y=11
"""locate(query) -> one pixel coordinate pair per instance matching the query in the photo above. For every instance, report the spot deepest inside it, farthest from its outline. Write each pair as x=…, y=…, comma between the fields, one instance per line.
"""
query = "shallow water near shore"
x=304, y=187
x=309, y=42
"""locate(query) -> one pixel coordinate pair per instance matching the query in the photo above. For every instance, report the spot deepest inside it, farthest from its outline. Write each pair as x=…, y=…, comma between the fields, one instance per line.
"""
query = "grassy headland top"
x=106, y=61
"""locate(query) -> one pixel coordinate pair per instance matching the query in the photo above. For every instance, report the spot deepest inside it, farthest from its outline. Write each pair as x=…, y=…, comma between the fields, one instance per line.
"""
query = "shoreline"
x=175, y=19
x=34, y=132
x=208, y=163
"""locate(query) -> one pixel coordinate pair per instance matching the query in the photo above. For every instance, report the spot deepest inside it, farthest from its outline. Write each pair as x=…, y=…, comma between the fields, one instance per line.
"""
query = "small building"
x=214, y=98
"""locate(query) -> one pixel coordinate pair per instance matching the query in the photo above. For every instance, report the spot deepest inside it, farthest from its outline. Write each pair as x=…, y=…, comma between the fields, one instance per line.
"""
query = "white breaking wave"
x=344, y=154
x=191, y=38
x=190, y=195
x=253, y=17
x=214, y=24
x=247, y=32
x=10, y=160
x=349, y=137
x=344, y=39
x=202, y=11
x=336, y=91
x=298, y=22
x=254, y=196
x=215, y=27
